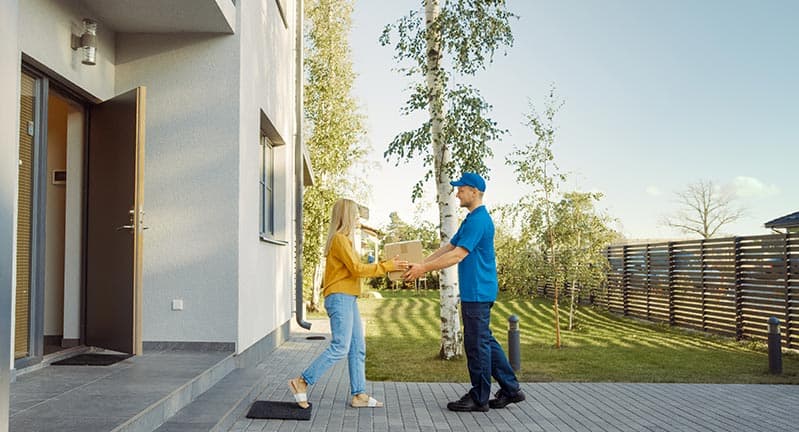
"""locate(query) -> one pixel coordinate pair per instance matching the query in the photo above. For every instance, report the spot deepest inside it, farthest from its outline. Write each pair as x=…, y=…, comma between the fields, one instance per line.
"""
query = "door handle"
x=125, y=227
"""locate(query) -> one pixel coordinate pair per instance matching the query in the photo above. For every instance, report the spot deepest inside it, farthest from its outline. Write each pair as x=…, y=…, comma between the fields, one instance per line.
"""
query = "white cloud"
x=744, y=186
x=653, y=191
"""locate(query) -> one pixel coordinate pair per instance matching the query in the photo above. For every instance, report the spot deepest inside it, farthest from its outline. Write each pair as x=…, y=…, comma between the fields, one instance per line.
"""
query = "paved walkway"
x=549, y=406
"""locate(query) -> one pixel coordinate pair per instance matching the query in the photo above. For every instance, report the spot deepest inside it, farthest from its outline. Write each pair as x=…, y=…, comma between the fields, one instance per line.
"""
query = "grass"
x=403, y=343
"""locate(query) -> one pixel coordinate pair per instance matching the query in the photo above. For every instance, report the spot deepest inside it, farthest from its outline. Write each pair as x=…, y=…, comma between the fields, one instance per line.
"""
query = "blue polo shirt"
x=478, y=271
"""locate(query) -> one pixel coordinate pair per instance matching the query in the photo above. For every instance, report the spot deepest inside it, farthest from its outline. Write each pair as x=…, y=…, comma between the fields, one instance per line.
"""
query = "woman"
x=341, y=288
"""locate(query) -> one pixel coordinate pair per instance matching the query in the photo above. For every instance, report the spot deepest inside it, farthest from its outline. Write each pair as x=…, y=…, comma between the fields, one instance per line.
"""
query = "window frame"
x=266, y=188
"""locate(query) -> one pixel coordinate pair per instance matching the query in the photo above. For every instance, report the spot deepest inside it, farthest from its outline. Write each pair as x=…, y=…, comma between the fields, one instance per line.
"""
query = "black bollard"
x=774, y=346
x=514, y=353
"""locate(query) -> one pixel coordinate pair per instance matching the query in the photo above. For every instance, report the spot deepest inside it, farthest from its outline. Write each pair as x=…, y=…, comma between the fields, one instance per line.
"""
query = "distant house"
x=370, y=241
x=789, y=223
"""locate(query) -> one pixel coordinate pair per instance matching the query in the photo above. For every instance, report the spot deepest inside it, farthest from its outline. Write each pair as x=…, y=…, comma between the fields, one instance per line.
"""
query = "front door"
x=114, y=223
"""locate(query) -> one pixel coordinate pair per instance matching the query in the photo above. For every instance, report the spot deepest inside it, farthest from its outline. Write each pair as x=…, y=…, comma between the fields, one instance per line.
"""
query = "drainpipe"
x=298, y=172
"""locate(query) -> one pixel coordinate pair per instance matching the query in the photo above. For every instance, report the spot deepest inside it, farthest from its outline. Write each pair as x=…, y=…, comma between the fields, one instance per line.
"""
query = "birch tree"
x=441, y=46
x=335, y=127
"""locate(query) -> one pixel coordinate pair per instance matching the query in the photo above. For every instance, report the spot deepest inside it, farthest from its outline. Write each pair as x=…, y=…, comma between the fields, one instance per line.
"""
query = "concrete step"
x=168, y=406
x=218, y=408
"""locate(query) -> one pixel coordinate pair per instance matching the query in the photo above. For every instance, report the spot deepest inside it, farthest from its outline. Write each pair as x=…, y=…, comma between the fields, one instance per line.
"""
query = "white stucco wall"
x=9, y=122
x=190, y=187
x=46, y=27
x=267, y=65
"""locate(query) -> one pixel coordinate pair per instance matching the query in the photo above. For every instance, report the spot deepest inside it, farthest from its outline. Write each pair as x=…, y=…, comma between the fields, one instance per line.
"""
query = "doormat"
x=279, y=410
x=91, y=359
x=315, y=337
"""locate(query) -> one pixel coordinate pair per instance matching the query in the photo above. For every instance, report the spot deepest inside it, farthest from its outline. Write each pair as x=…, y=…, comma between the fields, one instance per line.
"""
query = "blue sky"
x=658, y=94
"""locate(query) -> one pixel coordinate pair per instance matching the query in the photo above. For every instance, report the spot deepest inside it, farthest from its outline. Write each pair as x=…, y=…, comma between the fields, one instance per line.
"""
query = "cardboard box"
x=410, y=251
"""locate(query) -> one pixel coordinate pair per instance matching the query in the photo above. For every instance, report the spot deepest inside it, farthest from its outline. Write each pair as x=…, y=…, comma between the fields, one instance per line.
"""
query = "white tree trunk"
x=451, y=338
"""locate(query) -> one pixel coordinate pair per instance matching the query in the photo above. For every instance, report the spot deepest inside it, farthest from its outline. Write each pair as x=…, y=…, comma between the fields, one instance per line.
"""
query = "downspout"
x=298, y=172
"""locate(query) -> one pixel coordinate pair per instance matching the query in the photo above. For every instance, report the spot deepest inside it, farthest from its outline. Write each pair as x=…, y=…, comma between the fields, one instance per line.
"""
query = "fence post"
x=671, y=283
x=774, y=346
x=625, y=284
x=648, y=288
x=514, y=351
x=787, y=260
x=704, y=286
x=739, y=306
x=607, y=277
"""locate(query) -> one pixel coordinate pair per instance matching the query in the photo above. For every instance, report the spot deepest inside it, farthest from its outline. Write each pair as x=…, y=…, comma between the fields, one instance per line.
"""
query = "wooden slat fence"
x=729, y=286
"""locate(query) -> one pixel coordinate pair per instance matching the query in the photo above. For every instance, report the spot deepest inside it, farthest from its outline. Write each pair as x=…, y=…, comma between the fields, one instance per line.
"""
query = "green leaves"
x=466, y=129
x=472, y=31
x=467, y=34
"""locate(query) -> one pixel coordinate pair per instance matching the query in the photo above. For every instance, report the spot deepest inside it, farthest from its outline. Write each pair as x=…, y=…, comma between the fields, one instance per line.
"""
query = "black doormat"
x=279, y=410
x=91, y=359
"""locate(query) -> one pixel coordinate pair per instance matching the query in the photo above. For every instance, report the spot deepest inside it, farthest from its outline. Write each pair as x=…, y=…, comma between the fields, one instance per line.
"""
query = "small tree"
x=520, y=263
x=581, y=235
x=704, y=209
x=534, y=165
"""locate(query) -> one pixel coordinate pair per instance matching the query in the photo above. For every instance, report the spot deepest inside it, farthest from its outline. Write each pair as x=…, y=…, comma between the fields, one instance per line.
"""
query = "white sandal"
x=300, y=397
x=370, y=403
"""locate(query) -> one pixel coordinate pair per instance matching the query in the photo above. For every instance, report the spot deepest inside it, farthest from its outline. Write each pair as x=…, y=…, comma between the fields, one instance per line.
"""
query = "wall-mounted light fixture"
x=87, y=42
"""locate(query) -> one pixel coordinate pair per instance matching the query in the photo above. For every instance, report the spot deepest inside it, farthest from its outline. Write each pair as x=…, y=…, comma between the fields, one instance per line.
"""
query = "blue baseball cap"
x=471, y=179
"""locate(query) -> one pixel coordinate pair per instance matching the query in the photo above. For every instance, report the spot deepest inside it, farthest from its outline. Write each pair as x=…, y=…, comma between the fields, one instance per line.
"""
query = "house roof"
x=373, y=231
x=787, y=221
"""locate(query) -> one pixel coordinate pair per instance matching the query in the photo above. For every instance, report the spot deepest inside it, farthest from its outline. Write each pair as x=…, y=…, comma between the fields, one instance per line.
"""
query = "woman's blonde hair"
x=343, y=219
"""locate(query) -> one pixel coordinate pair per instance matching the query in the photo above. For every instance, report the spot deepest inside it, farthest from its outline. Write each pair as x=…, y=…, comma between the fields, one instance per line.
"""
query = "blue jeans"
x=348, y=341
x=484, y=356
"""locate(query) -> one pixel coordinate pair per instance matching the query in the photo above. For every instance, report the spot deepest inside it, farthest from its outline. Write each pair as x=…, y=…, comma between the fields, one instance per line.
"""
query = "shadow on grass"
x=403, y=345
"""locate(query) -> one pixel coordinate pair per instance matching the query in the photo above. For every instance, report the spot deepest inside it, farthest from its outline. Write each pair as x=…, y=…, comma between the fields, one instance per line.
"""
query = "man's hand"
x=415, y=271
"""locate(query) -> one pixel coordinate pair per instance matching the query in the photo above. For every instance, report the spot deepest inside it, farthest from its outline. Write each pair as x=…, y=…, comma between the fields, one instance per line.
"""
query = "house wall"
x=207, y=95
x=9, y=126
x=267, y=85
x=191, y=172
x=45, y=30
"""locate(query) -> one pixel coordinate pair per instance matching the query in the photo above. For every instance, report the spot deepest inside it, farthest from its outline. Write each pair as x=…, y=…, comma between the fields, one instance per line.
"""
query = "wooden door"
x=115, y=227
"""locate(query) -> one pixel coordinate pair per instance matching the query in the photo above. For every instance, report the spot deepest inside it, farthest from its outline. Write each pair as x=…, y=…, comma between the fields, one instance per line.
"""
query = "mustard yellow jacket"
x=344, y=268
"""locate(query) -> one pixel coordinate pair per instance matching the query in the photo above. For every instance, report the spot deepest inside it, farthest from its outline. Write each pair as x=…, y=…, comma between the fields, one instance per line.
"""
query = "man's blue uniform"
x=477, y=273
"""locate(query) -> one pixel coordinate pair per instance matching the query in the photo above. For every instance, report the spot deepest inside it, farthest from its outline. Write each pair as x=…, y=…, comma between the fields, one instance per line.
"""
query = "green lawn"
x=403, y=343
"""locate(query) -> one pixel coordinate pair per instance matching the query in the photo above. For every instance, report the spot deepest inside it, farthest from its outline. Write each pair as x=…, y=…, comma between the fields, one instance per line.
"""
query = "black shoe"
x=502, y=400
x=466, y=403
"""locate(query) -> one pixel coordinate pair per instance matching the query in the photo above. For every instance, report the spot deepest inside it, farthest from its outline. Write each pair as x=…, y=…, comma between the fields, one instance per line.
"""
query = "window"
x=272, y=184
x=267, y=188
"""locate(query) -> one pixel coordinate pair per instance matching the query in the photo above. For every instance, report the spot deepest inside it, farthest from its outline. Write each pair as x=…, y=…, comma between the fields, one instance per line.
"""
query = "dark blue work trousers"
x=484, y=356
